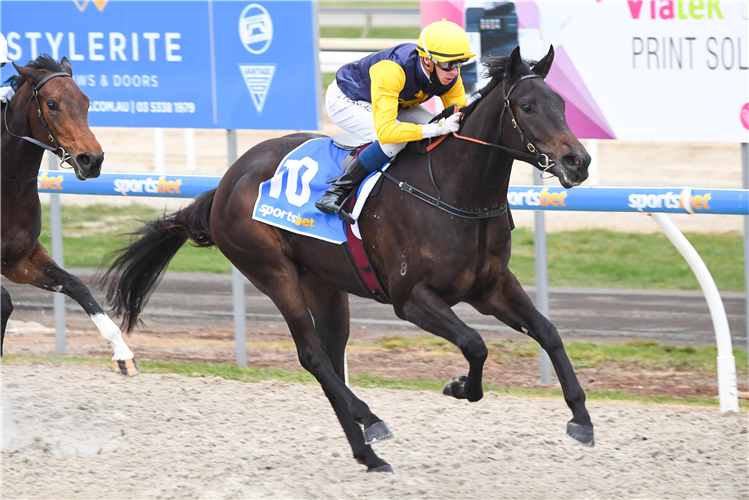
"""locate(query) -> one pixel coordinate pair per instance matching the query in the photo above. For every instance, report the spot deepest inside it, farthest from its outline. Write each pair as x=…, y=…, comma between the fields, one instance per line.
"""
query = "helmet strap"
x=434, y=81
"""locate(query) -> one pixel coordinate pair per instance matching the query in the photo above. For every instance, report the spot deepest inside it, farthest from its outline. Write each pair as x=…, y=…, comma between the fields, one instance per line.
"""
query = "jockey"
x=379, y=98
x=5, y=92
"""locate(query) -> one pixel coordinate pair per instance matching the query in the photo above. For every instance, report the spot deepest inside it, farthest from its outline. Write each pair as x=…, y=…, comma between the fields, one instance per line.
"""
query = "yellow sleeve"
x=388, y=80
x=456, y=95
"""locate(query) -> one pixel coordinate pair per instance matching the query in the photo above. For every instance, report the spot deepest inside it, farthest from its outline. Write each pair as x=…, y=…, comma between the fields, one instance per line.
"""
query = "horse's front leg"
x=427, y=310
x=38, y=269
x=509, y=303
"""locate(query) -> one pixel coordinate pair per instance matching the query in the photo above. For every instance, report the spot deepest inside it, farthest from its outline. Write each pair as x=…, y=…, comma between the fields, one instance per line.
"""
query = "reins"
x=534, y=157
x=58, y=150
x=437, y=203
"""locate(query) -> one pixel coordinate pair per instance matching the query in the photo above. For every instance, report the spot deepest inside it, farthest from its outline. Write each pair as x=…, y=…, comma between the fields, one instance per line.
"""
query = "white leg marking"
x=113, y=335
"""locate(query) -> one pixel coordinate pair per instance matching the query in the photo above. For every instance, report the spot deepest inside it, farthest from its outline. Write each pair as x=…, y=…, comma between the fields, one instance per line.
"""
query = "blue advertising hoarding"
x=184, y=64
x=580, y=199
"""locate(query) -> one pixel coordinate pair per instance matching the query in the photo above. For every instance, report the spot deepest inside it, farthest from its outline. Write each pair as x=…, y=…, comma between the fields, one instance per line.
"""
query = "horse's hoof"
x=451, y=387
x=126, y=367
x=382, y=468
x=377, y=433
x=581, y=434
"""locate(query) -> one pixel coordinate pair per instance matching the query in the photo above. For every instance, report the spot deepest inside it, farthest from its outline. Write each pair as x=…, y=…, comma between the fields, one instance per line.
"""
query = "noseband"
x=57, y=150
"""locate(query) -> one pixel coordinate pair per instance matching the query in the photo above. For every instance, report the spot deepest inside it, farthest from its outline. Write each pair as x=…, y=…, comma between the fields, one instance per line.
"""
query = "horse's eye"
x=52, y=105
x=526, y=108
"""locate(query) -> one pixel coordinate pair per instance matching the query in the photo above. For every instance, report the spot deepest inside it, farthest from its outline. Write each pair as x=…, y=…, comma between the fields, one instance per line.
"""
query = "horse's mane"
x=44, y=61
x=494, y=68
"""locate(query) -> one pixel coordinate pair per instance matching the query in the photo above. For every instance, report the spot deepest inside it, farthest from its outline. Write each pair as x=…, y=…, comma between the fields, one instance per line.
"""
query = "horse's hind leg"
x=510, y=304
x=38, y=269
x=276, y=276
x=7, y=308
x=427, y=310
x=330, y=310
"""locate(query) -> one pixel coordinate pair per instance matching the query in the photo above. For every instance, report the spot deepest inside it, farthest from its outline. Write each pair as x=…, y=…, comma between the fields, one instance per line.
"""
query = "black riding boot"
x=333, y=199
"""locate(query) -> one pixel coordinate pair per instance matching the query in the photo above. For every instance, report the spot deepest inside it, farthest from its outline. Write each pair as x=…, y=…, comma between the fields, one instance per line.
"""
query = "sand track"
x=77, y=432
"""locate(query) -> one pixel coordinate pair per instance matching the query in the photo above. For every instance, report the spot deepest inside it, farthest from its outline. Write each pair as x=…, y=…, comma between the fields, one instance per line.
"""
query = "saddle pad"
x=287, y=200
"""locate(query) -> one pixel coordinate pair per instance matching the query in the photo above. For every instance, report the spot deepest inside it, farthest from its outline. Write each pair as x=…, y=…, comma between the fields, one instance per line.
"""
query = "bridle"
x=58, y=150
x=534, y=157
x=542, y=160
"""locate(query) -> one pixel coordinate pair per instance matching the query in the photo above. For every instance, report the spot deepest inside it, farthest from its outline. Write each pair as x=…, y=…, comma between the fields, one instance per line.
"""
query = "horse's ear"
x=513, y=64
x=66, y=66
x=543, y=66
x=28, y=74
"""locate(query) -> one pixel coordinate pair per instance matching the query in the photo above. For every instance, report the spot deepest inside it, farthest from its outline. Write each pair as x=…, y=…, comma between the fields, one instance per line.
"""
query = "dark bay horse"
x=47, y=112
x=428, y=259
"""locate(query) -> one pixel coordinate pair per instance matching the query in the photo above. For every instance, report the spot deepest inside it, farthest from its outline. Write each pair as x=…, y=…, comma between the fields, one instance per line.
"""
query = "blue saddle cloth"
x=288, y=199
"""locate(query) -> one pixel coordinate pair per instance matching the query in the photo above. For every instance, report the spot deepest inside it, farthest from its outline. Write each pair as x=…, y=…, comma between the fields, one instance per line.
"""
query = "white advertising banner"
x=656, y=70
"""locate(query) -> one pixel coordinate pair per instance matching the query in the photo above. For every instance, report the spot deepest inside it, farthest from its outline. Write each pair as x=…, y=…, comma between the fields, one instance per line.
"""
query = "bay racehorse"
x=47, y=113
x=428, y=259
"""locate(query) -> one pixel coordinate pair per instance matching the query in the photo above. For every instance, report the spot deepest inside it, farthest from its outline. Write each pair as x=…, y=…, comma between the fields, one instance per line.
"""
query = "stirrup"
x=343, y=213
x=347, y=217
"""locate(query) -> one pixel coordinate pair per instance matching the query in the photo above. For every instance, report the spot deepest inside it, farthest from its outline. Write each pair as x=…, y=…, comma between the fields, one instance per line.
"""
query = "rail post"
x=727, y=389
x=58, y=299
x=542, y=278
x=237, y=278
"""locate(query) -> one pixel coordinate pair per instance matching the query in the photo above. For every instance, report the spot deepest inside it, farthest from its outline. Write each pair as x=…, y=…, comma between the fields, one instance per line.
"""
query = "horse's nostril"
x=570, y=160
x=84, y=161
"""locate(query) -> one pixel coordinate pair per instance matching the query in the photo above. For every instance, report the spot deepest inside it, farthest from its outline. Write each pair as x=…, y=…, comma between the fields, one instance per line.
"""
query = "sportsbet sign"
x=663, y=70
x=187, y=64
x=586, y=199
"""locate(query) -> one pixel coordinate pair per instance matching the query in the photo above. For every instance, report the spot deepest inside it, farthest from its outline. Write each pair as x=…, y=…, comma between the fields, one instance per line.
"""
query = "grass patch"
x=647, y=355
x=91, y=232
x=327, y=79
x=405, y=33
x=585, y=258
x=233, y=372
x=609, y=259
x=369, y=4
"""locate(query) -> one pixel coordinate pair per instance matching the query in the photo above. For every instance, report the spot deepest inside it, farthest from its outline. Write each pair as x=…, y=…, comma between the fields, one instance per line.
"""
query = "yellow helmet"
x=444, y=41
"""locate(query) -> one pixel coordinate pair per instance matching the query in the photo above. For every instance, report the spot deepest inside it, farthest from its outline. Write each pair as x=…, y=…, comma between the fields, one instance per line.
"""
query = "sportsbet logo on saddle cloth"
x=288, y=199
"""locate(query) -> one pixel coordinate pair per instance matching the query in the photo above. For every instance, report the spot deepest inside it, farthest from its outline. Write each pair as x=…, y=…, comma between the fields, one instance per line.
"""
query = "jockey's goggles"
x=450, y=65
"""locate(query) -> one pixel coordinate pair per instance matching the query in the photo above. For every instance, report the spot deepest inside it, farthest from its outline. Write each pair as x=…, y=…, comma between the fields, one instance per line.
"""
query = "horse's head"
x=64, y=109
x=536, y=121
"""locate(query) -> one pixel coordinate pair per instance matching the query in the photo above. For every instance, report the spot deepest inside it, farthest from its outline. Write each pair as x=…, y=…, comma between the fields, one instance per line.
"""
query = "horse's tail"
x=137, y=269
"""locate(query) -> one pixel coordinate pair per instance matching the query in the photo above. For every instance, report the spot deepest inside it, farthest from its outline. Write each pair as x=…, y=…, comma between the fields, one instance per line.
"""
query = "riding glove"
x=442, y=127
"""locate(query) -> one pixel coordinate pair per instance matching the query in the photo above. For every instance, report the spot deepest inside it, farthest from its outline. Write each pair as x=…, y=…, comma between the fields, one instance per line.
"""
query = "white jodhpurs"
x=356, y=117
